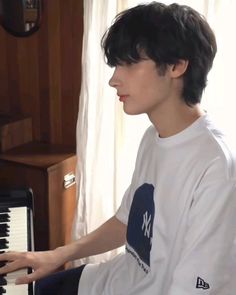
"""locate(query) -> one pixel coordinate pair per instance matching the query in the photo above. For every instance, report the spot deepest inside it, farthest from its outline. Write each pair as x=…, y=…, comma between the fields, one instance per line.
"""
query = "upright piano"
x=16, y=234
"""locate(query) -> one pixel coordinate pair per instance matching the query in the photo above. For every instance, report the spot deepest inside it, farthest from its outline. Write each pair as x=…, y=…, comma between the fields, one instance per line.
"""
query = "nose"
x=115, y=80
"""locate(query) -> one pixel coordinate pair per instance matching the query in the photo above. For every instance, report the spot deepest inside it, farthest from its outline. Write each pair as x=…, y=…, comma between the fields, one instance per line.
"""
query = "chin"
x=132, y=112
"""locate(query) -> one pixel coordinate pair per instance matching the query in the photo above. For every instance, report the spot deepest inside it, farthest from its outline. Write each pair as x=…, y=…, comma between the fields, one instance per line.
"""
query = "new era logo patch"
x=201, y=284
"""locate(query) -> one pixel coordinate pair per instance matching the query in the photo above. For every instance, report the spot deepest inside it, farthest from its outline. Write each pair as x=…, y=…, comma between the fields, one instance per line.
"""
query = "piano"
x=16, y=234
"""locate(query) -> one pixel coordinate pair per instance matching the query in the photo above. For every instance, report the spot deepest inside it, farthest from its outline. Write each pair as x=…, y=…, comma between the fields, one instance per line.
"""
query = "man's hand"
x=110, y=235
x=43, y=263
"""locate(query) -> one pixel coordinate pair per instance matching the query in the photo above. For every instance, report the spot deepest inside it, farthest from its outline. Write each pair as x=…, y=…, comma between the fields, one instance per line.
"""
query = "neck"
x=176, y=119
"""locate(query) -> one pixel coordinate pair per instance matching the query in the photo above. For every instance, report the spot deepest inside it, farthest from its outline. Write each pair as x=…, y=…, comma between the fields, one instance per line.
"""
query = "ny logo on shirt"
x=140, y=224
x=146, y=227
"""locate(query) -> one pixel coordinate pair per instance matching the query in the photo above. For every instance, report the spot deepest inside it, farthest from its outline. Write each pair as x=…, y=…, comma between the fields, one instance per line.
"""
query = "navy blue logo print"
x=140, y=225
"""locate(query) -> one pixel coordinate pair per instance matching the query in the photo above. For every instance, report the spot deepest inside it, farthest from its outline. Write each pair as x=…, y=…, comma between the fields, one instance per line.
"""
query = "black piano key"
x=4, y=210
x=3, y=243
x=4, y=225
x=2, y=290
x=4, y=233
x=4, y=217
x=3, y=281
x=4, y=230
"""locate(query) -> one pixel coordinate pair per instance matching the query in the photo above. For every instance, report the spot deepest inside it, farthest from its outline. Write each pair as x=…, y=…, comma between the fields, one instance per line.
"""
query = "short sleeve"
x=123, y=211
x=207, y=255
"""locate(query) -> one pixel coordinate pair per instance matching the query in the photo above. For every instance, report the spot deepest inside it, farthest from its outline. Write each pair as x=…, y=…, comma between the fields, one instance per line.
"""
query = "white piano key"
x=17, y=233
x=17, y=241
x=16, y=289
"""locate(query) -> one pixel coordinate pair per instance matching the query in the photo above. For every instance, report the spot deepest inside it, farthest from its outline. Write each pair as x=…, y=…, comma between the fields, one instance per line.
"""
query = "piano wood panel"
x=40, y=76
x=43, y=167
x=22, y=175
x=62, y=207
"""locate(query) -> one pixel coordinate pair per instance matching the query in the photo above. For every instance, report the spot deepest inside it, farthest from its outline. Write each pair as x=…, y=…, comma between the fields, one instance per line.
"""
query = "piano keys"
x=16, y=234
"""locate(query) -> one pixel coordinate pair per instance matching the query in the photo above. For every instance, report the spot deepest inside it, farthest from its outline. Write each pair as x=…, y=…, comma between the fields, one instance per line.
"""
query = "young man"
x=178, y=217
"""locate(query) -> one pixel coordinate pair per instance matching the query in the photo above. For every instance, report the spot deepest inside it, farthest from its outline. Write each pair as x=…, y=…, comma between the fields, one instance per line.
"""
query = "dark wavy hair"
x=165, y=34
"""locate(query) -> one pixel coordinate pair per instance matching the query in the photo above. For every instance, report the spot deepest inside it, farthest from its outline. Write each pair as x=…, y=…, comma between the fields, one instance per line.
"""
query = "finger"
x=34, y=276
x=10, y=255
x=12, y=266
x=5, y=255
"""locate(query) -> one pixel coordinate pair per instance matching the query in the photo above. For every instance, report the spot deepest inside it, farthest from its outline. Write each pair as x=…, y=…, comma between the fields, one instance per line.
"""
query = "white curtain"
x=107, y=139
x=103, y=131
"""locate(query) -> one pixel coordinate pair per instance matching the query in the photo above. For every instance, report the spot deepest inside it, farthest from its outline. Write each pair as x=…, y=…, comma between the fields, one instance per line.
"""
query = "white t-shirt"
x=181, y=214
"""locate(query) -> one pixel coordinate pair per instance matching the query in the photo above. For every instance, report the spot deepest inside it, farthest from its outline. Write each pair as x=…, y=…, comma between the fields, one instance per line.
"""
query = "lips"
x=122, y=98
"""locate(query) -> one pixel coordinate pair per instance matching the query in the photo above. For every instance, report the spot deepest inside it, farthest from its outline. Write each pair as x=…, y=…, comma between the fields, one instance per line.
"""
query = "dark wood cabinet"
x=49, y=170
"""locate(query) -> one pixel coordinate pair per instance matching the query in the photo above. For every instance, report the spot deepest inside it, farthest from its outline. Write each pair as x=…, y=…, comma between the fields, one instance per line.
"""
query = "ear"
x=178, y=69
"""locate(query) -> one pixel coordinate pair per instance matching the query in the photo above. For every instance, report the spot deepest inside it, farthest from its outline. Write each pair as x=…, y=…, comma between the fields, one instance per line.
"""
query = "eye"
x=129, y=64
